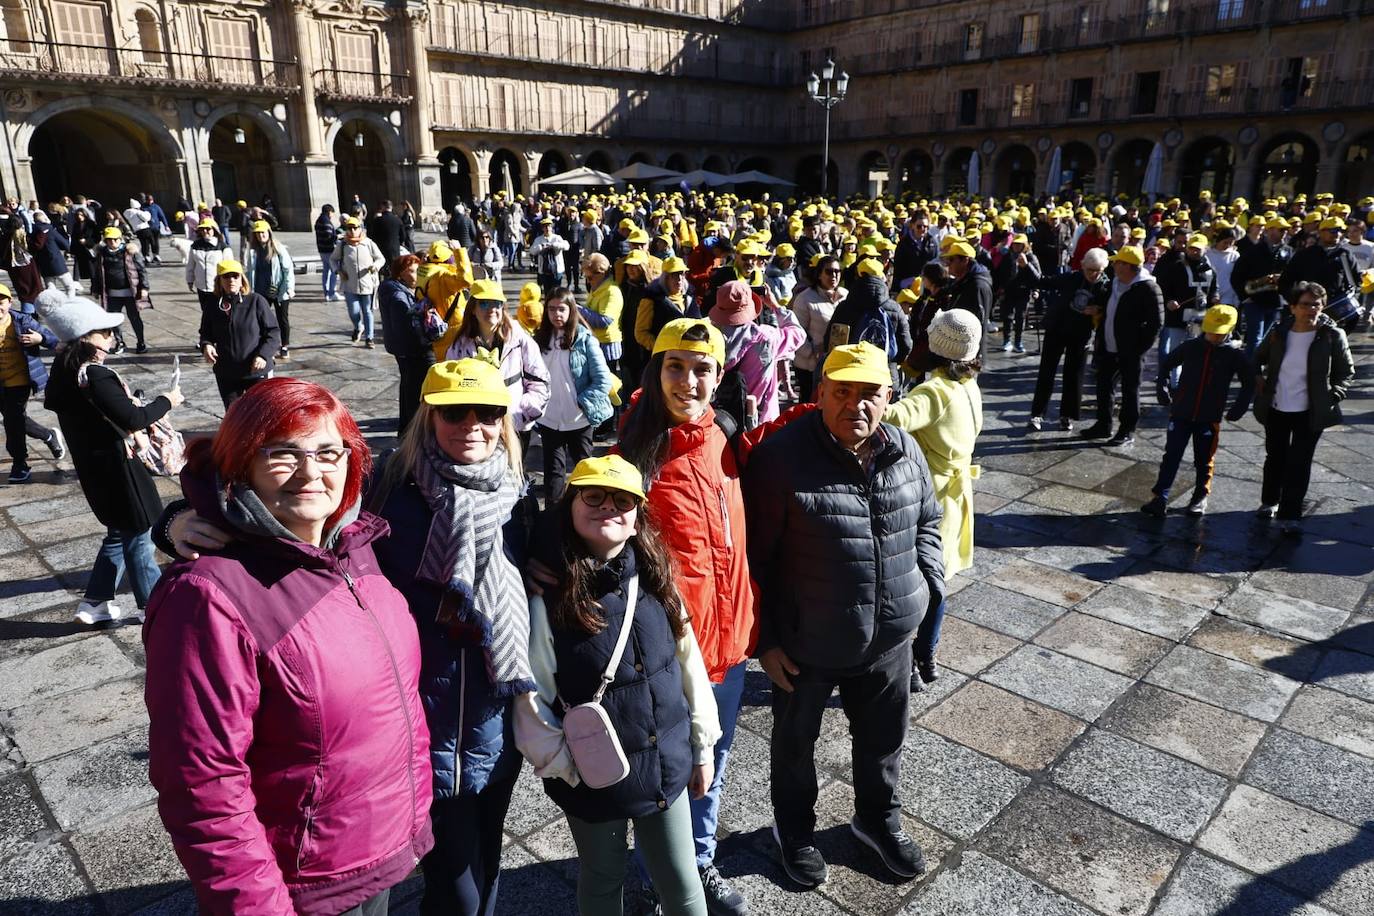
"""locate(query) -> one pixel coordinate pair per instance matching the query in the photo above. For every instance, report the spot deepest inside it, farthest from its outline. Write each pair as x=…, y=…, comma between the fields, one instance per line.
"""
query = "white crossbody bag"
x=592, y=741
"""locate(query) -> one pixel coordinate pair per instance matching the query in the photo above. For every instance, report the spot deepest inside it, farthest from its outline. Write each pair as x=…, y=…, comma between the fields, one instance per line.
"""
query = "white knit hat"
x=954, y=334
x=71, y=317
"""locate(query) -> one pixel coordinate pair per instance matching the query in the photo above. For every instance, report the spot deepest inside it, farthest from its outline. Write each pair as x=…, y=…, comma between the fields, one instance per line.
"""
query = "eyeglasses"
x=282, y=459
x=595, y=498
x=486, y=414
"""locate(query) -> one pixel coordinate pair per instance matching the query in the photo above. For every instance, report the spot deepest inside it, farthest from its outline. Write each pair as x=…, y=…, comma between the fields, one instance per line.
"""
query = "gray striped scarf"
x=465, y=555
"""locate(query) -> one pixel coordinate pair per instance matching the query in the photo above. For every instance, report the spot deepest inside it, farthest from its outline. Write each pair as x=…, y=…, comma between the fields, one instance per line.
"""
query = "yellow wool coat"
x=946, y=417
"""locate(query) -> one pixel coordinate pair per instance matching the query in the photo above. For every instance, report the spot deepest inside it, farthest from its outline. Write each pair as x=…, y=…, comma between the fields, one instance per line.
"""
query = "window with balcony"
x=968, y=107
x=1220, y=86
x=1081, y=97
x=1146, y=98
x=1311, y=4
x=85, y=28
x=16, y=19
x=1156, y=14
x=235, y=48
x=1030, y=33
x=973, y=40
x=356, y=53
x=1022, y=100
x=149, y=36
x=1299, y=80
x=1230, y=9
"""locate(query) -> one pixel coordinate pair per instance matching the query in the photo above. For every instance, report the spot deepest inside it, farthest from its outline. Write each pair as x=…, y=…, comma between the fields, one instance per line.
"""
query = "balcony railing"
x=362, y=86
x=58, y=61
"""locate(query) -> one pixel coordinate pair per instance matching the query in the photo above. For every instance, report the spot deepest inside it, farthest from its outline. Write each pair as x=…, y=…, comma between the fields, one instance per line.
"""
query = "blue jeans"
x=1258, y=320
x=329, y=277
x=360, y=312
x=706, y=811
x=1169, y=339
x=928, y=634
x=121, y=551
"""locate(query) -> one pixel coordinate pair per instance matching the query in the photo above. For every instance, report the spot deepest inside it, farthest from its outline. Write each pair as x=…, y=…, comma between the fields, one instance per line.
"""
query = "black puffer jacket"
x=847, y=563
x=1330, y=372
x=870, y=314
x=1192, y=284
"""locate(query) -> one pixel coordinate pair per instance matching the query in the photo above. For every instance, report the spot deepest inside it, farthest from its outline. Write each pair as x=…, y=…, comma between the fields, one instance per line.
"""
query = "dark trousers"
x=464, y=867
x=806, y=385
x=283, y=310
x=1056, y=346
x=562, y=450
x=1204, y=437
x=129, y=306
x=928, y=634
x=549, y=282
x=231, y=389
x=413, y=370
x=875, y=700
x=1124, y=367
x=148, y=238
x=376, y=905
x=1289, y=444
x=1013, y=320
x=14, y=402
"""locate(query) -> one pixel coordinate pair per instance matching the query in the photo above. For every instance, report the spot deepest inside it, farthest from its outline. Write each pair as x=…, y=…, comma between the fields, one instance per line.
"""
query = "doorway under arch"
x=1015, y=172
x=1208, y=164
x=956, y=170
x=915, y=173
x=1357, y=174
x=599, y=160
x=552, y=163
x=677, y=162
x=360, y=165
x=504, y=174
x=455, y=177
x=1288, y=167
x=241, y=161
x=1079, y=166
x=716, y=164
x=808, y=176
x=873, y=174
x=103, y=155
x=1129, y=165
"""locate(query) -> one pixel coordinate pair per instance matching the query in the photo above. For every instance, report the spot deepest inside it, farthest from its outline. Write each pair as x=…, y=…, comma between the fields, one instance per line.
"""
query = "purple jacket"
x=287, y=741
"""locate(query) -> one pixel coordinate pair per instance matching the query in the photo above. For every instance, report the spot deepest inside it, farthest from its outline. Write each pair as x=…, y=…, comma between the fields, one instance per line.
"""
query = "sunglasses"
x=595, y=498
x=486, y=414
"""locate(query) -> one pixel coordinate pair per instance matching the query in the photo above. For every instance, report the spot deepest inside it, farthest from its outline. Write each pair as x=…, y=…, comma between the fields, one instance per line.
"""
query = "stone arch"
x=639, y=156
x=678, y=162
x=916, y=172
x=518, y=175
x=552, y=162
x=390, y=136
x=273, y=129
x=1128, y=167
x=156, y=127
x=869, y=163
x=1014, y=171
x=599, y=160
x=956, y=170
x=457, y=167
x=1357, y=167
x=1079, y=165
x=1207, y=164
x=714, y=163
x=1287, y=166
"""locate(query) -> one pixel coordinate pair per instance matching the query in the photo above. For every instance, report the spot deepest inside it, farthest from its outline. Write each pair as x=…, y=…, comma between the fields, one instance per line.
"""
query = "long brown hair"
x=577, y=607
x=544, y=336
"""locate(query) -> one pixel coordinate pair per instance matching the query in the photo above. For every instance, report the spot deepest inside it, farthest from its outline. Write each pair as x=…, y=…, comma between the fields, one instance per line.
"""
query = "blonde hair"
x=597, y=262
x=411, y=452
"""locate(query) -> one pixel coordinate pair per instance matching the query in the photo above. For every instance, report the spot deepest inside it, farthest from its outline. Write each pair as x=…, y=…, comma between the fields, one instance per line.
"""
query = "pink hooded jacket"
x=287, y=741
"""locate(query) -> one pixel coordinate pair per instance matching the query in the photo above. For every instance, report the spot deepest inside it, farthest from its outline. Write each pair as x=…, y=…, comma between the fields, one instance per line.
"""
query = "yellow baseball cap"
x=610, y=471
x=261, y=225
x=208, y=223
x=638, y=237
x=465, y=381
x=785, y=250
x=960, y=248
x=1277, y=222
x=1367, y=282
x=670, y=338
x=1197, y=240
x=1130, y=254
x=870, y=267
x=487, y=291
x=674, y=265
x=1332, y=223
x=636, y=258
x=861, y=362
x=5, y=292
x=912, y=293
x=112, y=232
x=351, y=222
x=1138, y=233
x=1020, y=239
x=241, y=203
x=530, y=292
x=228, y=266
x=1219, y=319
x=438, y=253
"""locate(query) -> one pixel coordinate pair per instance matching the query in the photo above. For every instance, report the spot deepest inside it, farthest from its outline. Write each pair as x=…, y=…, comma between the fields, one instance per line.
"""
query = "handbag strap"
x=630, y=597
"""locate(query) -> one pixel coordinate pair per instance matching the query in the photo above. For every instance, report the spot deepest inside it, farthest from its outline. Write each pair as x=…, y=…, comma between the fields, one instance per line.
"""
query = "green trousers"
x=665, y=842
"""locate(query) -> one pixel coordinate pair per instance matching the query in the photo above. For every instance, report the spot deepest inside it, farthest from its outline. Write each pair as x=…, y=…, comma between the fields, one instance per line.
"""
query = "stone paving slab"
x=1135, y=716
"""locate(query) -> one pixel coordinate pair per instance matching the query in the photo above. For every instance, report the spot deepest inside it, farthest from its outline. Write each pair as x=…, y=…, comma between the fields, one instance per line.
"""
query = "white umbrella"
x=643, y=171
x=698, y=177
x=1056, y=166
x=754, y=176
x=507, y=181
x=1153, y=183
x=973, y=173
x=581, y=177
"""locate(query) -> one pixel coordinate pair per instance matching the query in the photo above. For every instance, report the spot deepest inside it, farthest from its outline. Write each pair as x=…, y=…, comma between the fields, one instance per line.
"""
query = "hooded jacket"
x=523, y=368
x=1330, y=371
x=49, y=245
x=871, y=314
x=1204, y=385
x=287, y=742
x=202, y=260
x=22, y=314
x=848, y=562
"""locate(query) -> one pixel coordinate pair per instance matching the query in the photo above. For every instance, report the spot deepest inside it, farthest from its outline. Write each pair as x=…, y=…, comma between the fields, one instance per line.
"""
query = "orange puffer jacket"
x=698, y=507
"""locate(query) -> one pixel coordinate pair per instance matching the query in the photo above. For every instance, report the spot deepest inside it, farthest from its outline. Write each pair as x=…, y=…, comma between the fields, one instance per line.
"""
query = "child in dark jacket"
x=1208, y=363
x=659, y=702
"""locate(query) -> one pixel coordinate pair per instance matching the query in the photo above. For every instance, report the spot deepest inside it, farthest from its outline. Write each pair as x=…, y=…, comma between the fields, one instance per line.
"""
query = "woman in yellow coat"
x=945, y=414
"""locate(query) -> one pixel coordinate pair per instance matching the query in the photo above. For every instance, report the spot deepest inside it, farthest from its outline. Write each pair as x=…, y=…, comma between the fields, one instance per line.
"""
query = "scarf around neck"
x=465, y=555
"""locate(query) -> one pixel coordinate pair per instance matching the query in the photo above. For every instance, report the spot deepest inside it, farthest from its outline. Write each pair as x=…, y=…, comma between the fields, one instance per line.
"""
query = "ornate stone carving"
x=18, y=100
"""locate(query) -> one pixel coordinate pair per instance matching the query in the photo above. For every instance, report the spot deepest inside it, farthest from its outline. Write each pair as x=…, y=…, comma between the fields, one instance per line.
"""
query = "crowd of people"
x=353, y=655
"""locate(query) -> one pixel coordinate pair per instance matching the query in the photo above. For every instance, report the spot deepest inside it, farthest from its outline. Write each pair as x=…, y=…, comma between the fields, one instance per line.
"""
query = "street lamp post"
x=827, y=90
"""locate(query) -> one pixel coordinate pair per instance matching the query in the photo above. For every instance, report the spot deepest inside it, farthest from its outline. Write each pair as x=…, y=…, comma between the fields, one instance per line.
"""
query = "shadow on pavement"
x=1311, y=875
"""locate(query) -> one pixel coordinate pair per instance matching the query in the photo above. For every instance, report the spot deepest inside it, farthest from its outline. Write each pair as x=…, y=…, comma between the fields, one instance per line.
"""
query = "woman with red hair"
x=287, y=740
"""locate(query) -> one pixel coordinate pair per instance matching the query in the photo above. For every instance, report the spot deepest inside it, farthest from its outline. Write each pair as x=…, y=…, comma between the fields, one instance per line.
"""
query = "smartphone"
x=176, y=371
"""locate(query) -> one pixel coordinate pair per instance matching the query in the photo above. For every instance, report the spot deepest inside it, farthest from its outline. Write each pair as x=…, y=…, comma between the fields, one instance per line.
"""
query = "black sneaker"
x=284, y=354
x=1066, y=424
x=900, y=853
x=369, y=344
x=357, y=335
x=20, y=475
x=57, y=445
x=1096, y=431
x=803, y=864
x=141, y=348
x=1122, y=439
x=721, y=898
x=119, y=348
x=1157, y=507
x=1198, y=506
x=927, y=670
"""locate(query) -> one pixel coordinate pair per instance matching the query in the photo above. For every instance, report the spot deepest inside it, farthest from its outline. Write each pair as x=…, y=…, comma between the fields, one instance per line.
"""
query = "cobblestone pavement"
x=1135, y=716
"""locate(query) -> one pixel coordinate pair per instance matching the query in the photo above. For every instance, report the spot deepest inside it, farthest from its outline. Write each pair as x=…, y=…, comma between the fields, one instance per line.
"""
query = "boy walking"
x=1208, y=364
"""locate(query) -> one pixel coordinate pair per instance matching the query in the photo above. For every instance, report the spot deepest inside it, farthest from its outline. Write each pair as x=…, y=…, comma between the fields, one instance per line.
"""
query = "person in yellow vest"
x=945, y=415
x=443, y=280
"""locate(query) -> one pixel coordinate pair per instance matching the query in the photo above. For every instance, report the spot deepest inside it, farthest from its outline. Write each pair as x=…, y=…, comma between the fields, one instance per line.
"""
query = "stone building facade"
x=313, y=101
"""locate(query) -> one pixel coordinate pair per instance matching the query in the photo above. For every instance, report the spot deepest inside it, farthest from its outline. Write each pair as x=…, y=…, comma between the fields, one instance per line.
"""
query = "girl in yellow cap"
x=616, y=577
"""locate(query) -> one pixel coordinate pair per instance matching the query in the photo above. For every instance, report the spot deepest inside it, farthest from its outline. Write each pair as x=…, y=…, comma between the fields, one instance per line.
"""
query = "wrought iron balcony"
x=362, y=86
x=51, y=61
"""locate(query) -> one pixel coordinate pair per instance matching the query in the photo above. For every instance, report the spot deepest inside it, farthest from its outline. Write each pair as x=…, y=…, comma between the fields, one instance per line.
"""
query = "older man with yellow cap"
x=1131, y=321
x=844, y=543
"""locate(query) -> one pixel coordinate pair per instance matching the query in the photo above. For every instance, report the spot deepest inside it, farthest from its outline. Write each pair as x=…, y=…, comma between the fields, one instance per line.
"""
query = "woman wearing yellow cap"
x=119, y=281
x=202, y=258
x=272, y=275
x=617, y=576
x=239, y=337
x=488, y=333
x=359, y=262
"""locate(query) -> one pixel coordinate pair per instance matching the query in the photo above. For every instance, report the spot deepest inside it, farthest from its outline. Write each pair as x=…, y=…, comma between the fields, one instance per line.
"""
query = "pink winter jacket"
x=287, y=741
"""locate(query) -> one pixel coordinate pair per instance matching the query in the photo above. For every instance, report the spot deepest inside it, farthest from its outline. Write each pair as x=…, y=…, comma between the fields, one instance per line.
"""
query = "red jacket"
x=287, y=741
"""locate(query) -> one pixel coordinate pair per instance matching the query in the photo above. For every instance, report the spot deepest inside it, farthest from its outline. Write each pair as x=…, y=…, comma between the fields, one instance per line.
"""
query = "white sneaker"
x=90, y=612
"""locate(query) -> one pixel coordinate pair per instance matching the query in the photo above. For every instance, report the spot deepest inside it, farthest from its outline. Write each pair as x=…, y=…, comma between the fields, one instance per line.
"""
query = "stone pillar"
x=531, y=170
x=309, y=129
x=415, y=19
x=1328, y=173
x=481, y=179
x=1243, y=177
